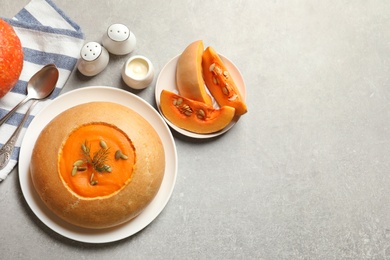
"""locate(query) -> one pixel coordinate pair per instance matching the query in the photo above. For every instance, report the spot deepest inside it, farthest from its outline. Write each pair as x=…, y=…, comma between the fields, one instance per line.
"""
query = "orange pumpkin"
x=189, y=78
x=11, y=58
x=219, y=82
x=192, y=115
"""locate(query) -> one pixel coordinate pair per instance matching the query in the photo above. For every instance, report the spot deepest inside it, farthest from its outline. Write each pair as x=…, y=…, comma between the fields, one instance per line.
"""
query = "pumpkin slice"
x=219, y=82
x=189, y=78
x=192, y=115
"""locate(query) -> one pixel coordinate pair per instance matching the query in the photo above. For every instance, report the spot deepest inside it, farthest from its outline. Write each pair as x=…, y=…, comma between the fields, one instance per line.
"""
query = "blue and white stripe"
x=48, y=35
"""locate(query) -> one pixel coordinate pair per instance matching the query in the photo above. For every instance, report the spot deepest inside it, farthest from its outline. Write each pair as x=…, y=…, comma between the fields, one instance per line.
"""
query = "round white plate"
x=167, y=80
x=85, y=95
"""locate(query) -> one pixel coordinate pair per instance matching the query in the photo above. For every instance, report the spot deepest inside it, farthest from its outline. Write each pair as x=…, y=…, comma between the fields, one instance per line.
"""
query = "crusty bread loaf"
x=107, y=210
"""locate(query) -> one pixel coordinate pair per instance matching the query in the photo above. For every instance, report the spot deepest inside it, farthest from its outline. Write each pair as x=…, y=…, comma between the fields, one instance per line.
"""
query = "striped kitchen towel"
x=48, y=35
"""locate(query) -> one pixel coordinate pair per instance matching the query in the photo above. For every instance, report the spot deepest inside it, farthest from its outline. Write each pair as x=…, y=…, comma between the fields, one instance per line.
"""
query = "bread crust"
x=106, y=211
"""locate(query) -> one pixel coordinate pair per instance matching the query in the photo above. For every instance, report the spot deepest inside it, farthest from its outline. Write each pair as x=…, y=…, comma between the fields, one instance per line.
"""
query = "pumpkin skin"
x=187, y=114
x=11, y=58
x=219, y=82
x=189, y=77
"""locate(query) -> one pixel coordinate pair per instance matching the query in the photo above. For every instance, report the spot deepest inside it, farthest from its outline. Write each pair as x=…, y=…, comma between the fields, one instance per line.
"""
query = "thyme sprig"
x=97, y=160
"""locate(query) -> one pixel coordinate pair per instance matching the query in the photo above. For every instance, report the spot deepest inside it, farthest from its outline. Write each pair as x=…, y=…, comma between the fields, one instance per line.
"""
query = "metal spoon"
x=43, y=83
x=35, y=89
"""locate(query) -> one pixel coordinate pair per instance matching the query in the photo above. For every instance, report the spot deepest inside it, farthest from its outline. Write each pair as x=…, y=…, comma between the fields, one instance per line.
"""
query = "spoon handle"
x=8, y=147
x=9, y=114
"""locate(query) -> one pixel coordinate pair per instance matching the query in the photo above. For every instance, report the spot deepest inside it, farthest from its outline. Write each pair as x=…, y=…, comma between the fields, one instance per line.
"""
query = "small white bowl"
x=94, y=59
x=119, y=40
x=138, y=72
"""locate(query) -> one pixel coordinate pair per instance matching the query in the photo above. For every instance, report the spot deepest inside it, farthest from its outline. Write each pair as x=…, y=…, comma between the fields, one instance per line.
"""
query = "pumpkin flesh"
x=192, y=115
x=189, y=77
x=219, y=82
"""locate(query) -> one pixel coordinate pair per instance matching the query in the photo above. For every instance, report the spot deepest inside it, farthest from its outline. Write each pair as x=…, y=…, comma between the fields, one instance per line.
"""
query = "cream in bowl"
x=138, y=72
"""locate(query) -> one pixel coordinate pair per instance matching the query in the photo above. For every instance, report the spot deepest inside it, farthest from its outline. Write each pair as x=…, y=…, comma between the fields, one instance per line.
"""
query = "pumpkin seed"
x=212, y=66
x=201, y=114
x=188, y=113
x=226, y=74
x=179, y=101
x=185, y=109
x=103, y=144
x=124, y=157
x=91, y=178
x=94, y=182
x=84, y=148
x=234, y=97
x=225, y=90
x=74, y=170
x=107, y=168
x=120, y=155
x=218, y=70
x=78, y=162
x=215, y=81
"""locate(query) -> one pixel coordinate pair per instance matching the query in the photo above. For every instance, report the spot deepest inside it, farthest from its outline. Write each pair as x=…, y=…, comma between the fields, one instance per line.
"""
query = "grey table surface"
x=303, y=175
